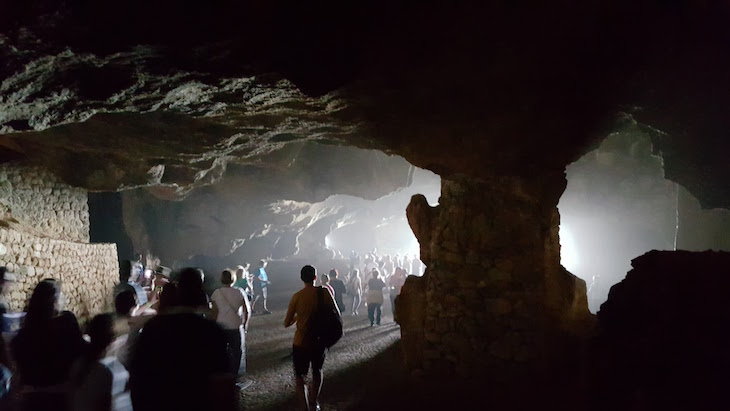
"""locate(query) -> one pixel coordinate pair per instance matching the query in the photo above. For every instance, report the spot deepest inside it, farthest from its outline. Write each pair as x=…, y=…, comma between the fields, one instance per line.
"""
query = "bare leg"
x=315, y=387
x=253, y=304
x=301, y=392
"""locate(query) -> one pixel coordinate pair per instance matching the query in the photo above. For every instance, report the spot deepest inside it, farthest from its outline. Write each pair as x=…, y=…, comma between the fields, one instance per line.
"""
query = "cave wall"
x=41, y=203
x=44, y=233
x=264, y=210
x=496, y=298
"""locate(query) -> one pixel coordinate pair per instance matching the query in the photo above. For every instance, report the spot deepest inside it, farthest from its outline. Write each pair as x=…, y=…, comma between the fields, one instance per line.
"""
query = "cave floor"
x=364, y=366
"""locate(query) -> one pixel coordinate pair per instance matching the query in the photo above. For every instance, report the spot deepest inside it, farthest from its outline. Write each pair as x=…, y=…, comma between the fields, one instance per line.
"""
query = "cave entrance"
x=618, y=205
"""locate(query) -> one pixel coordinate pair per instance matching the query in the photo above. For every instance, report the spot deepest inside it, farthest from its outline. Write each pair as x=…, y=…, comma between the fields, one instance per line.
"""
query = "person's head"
x=356, y=273
x=44, y=302
x=227, y=277
x=137, y=257
x=308, y=274
x=241, y=271
x=190, y=287
x=168, y=297
x=376, y=273
x=125, y=302
x=325, y=279
x=101, y=332
x=334, y=273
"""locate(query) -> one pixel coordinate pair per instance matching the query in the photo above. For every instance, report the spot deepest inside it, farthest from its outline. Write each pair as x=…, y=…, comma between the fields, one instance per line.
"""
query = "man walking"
x=261, y=286
x=306, y=350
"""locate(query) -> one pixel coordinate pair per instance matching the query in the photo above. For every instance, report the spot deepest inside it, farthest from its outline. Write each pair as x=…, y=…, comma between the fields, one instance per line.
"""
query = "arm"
x=214, y=305
x=246, y=312
x=291, y=316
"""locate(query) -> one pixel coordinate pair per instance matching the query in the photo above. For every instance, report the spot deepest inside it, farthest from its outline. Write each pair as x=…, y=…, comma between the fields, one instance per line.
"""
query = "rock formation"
x=496, y=99
x=664, y=333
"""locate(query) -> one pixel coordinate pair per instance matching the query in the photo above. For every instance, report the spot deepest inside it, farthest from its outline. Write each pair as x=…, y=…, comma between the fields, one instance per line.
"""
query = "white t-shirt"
x=230, y=303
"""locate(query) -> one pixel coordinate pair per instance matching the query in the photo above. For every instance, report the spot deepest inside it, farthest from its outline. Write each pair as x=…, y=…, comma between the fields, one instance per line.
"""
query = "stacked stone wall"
x=44, y=233
x=40, y=203
x=88, y=272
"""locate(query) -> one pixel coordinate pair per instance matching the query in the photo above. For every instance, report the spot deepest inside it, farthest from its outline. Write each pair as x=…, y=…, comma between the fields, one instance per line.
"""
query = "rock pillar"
x=497, y=299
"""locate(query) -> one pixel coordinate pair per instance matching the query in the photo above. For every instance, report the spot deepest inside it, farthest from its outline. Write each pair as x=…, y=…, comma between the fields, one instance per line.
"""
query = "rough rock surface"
x=496, y=297
x=275, y=208
x=664, y=334
x=189, y=89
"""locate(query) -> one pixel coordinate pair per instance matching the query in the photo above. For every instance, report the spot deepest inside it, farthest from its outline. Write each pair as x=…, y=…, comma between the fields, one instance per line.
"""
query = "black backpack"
x=327, y=322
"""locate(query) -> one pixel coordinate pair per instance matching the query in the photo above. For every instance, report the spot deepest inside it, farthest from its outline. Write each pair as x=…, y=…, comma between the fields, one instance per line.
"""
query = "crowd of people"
x=168, y=345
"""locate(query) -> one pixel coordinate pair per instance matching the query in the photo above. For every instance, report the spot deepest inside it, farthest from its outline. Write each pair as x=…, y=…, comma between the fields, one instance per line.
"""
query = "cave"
x=559, y=168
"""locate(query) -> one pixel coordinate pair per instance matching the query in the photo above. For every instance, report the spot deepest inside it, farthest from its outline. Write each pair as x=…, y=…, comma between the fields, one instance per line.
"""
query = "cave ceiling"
x=113, y=95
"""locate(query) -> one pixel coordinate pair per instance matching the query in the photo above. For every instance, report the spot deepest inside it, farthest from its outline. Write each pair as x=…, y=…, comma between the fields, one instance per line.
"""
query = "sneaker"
x=267, y=312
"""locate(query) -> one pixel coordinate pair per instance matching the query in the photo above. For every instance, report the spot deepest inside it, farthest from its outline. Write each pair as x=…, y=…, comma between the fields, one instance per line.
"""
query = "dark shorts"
x=302, y=357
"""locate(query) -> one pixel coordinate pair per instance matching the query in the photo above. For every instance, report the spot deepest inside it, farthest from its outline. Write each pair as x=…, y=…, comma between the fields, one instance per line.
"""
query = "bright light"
x=568, y=255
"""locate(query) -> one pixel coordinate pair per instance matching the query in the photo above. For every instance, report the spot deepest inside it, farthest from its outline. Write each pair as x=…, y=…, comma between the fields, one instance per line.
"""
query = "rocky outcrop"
x=665, y=333
x=90, y=97
x=495, y=297
x=274, y=209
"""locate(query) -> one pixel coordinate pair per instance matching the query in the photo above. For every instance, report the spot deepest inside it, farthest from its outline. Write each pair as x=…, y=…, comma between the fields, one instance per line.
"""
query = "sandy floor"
x=360, y=367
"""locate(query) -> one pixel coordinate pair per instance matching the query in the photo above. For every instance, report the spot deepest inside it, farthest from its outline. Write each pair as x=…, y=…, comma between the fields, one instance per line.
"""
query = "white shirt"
x=230, y=303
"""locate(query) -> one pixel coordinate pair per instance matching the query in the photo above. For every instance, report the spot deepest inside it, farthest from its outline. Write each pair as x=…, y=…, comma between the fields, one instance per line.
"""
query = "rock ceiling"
x=123, y=94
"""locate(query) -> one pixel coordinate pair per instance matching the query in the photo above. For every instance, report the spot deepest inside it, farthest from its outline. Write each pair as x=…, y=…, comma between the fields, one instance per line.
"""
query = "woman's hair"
x=101, y=332
x=190, y=288
x=125, y=302
x=325, y=279
x=227, y=277
x=42, y=304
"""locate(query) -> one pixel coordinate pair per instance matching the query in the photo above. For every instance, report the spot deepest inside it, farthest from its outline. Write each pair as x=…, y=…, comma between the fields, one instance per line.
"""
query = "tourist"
x=45, y=348
x=325, y=282
x=91, y=381
x=260, y=286
x=136, y=275
x=396, y=282
x=355, y=290
x=306, y=350
x=242, y=281
x=388, y=266
x=375, y=298
x=354, y=261
x=191, y=371
x=416, y=265
x=231, y=309
x=339, y=289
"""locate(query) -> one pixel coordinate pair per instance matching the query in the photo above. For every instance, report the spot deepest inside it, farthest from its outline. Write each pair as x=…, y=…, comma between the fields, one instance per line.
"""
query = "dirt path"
x=366, y=359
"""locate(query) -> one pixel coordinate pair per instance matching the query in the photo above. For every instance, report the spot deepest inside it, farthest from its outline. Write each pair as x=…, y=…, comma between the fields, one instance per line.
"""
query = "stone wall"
x=44, y=233
x=497, y=302
x=88, y=272
x=41, y=204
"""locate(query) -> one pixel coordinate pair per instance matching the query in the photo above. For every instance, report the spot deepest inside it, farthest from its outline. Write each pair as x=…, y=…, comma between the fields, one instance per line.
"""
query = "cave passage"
x=618, y=205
